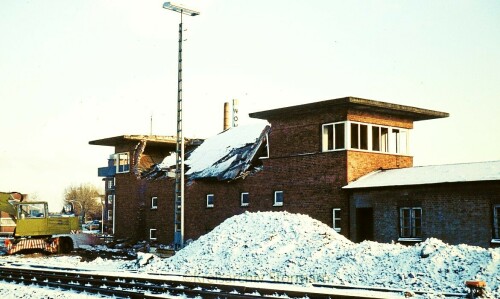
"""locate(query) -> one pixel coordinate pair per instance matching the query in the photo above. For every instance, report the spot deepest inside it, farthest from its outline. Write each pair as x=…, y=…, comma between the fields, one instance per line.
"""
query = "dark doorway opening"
x=364, y=224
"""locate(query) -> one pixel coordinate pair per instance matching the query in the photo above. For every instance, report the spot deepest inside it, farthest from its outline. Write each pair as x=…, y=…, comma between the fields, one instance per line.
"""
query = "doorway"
x=364, y=224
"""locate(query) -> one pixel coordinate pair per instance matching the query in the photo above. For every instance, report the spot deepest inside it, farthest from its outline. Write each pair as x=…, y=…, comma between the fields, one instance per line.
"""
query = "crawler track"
x=158, y=287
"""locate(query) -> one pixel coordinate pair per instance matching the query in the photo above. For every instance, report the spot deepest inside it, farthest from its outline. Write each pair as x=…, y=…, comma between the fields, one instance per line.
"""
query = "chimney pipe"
x=226, y=116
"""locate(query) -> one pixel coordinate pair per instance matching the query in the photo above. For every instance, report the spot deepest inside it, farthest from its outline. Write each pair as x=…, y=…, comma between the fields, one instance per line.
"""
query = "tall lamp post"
x=179, y=161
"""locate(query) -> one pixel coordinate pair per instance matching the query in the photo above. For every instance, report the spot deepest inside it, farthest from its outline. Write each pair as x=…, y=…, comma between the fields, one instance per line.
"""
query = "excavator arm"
x=7, y=200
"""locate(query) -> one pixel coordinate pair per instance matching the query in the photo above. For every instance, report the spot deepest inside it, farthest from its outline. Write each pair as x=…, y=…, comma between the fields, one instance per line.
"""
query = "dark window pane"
x=354, y=136
x=375, y=138
x=339, y=136
x=363, y=131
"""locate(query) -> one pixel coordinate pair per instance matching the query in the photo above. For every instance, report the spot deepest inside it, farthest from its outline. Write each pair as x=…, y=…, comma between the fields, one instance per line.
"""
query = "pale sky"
x=75, y=71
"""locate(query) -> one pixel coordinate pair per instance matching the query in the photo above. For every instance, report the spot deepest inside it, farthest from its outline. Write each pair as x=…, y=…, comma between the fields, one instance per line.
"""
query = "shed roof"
x=423, y=175
x=356, y=103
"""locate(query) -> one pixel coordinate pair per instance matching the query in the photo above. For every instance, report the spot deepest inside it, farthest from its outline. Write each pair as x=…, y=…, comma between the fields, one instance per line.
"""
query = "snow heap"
x=280, y=246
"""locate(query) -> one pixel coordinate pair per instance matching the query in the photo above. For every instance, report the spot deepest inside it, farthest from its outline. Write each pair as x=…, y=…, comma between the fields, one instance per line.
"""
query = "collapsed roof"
x=232, y=154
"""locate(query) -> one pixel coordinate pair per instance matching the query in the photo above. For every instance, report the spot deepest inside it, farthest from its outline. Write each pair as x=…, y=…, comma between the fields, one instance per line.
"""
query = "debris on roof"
x=228, y=155
x=232, y=154
x=435, y=174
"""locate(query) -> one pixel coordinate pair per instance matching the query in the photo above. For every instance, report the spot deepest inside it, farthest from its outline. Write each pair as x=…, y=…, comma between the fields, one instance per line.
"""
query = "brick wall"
x=455, y=213
x=310, y=179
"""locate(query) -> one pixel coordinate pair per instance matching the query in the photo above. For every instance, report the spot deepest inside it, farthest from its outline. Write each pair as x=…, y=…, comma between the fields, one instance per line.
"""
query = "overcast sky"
x=75, y=71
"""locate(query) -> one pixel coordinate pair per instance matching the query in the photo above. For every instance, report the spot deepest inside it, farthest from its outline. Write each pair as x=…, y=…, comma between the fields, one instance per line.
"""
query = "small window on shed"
x=210, y=200
x=410, y=223
x=496, y=221
x=278, y=198
x=244, y=199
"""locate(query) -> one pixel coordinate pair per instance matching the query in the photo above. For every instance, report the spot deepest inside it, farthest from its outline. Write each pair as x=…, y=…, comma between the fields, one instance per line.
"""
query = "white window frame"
x=154, y=202
x=276, y=203
x=412, y=226
x=111, y=184
x=210, y=203
x=335, y=147
x=242, y=195
x=111, y=198
x=336, y=217
x=266, y=145
x=117, y=158
x=393, y=143
x=496, y=223
x=151, y=231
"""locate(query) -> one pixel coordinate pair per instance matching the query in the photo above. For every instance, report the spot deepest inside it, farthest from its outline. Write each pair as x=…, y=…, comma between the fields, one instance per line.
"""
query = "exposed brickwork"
x=455, y=213
x=310, y=179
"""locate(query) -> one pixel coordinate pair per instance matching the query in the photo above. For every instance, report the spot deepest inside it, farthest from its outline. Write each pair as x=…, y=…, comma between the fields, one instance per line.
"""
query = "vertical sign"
x=235, y=112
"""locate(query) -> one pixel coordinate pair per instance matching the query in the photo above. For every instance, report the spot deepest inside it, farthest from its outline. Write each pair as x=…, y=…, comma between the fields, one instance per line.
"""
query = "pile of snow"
x=280, y=246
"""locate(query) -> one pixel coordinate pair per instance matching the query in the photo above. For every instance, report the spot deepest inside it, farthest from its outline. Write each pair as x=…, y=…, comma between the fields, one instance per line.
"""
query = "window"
x=278, y=198
x=110, y=199
x=410, y=221
x=264, y=151
x=121, y=162
x=496, y=221
x=154, y=203
x=333, y=136
x=111, y=184
x=152, y=234
x=244, y=199
x=210, y=200
x=365, y=137
x=110, y=214
x=336, y=220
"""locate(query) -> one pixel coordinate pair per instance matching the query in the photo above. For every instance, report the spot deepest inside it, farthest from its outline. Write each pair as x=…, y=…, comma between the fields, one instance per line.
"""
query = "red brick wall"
x=311, y=181
x=361, y=163
x=455, y=213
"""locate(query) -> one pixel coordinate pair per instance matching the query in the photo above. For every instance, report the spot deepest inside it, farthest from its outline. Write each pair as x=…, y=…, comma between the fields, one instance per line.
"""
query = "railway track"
x=125, y=286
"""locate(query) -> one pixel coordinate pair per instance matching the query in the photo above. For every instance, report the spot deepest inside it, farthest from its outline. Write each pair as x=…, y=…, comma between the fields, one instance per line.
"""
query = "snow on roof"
x=451, y=173
x=227, y=154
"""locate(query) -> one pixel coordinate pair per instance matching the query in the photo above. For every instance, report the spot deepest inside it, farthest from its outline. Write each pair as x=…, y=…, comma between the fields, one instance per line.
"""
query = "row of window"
x=362, y=136
x=244, y=200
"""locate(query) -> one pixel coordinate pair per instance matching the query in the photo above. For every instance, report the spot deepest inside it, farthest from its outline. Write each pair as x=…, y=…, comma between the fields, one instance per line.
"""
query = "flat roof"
x=124, y=139
x=435, y=174
x=356, y=103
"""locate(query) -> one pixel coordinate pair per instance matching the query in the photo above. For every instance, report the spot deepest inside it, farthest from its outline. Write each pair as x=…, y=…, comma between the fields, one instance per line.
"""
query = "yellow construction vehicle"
x=35, y=228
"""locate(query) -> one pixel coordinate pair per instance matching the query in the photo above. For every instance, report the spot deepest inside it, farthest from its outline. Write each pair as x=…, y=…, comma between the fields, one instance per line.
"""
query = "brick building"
x=299, y=163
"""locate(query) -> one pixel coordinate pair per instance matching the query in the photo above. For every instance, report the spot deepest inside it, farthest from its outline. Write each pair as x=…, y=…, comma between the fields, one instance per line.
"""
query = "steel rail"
x=151, y=287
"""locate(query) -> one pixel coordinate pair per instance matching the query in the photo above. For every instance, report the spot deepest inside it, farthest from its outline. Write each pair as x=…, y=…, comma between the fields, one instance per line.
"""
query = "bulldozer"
x=35, y=228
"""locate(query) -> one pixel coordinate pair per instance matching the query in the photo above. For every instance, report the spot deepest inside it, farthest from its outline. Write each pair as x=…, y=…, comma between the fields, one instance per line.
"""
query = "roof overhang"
x=127, y=139
x=403, y=111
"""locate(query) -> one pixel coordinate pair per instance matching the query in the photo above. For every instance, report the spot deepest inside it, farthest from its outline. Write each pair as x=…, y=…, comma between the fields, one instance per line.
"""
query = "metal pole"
x=179, y=166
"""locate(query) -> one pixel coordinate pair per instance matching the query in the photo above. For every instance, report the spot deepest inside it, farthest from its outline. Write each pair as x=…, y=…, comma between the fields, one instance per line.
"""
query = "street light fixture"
x=180, y=9
x=179, y=161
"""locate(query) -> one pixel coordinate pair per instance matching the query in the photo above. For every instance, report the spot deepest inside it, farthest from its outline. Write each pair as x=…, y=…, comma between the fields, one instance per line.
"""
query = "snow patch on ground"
x=280, y=246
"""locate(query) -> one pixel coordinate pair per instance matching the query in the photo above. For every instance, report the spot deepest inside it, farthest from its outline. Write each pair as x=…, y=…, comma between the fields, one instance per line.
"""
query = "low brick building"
x=300, y=162
x=458, y=203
